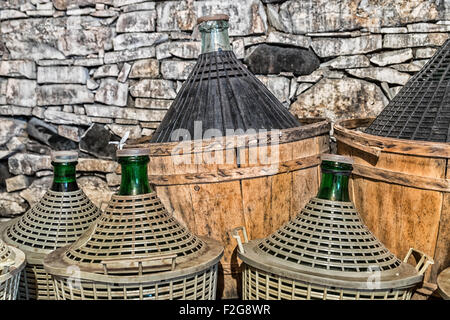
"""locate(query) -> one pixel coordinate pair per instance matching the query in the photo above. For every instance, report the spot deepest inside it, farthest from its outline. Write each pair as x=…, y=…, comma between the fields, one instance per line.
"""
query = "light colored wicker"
x=263, y=285
x=136, y=250
x=12, y=262
x=326, y=252
x=443, y=282
x=57, y=220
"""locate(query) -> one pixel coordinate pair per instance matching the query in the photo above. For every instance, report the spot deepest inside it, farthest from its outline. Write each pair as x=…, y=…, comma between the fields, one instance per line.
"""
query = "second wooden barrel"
x=402, y=190
x=215, y=185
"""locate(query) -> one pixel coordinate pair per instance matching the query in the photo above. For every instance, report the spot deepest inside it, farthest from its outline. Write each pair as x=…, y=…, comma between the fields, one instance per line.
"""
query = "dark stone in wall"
x=47, y=134
x=4, y=173
x=270, y=59
x=60, y=143
x=95, y=141
x=64, y=4
x=273, y=1
x=36, y=147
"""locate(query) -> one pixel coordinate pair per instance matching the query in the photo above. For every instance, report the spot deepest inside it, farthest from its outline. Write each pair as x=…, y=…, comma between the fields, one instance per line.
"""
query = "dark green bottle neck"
x=334, y=183
x=64, y=177
x=134, y=175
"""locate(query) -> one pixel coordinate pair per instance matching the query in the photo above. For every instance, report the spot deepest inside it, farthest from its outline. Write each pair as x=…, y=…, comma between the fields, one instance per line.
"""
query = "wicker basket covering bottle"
x=136, y=249
x=58, y=219
x=327, y=252
x=12, y=262
x=230, y=123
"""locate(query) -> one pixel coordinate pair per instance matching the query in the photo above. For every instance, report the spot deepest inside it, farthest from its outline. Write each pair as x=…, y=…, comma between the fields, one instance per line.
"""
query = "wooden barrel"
x=401, y=188
x=212, y=197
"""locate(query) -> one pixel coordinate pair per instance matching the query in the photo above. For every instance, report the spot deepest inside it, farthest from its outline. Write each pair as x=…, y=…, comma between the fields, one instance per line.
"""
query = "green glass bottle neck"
x=64, y=177
x=134, y=175
x=334, y=183
x=215, y=36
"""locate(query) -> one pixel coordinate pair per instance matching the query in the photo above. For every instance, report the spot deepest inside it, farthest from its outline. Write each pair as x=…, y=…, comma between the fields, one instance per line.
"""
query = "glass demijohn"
x=335, y=177
x=134, y=172
x=215, y=35
x=64, y=171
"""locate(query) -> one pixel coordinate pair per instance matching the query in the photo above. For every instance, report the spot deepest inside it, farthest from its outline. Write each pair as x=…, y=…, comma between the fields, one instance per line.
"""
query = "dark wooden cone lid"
x=222, y=94
x=421, y=110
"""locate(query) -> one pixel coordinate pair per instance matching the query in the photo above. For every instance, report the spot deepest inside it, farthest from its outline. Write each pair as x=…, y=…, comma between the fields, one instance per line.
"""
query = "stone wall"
x=78, y=74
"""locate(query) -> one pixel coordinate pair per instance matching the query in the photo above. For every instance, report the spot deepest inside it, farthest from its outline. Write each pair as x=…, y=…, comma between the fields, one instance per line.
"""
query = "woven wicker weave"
x=57, y=220
x=421, y=110
x=326, y=252
x=136, y=250
x=12, y=261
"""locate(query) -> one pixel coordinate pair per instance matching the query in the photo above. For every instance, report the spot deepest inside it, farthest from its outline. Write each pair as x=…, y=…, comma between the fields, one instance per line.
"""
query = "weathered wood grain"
x=443, y=240
x=343, y=131
x=220, y=143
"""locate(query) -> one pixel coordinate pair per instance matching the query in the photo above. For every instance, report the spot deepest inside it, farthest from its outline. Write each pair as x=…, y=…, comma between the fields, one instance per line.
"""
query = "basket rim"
x=344, y=132
x=57, y=267
x=442, y=291
x=17, y=267
x=330, y=278
x=317, y=128
x=32, y=255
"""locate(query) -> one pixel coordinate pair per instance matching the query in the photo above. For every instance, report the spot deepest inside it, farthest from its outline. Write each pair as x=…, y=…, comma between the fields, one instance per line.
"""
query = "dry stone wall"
x=77, y=74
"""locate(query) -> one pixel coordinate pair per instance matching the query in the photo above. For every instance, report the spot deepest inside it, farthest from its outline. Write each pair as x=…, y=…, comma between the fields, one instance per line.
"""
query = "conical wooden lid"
x=328, y=242
x=221, y=93
x=135, y=235
x=421, y=110
x=58, y=219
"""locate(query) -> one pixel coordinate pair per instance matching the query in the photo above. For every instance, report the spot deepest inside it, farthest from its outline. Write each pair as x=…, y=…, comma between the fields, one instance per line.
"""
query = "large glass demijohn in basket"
x=221, y=94
x=136, y=249
x=326, y=252
x=58, y=219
